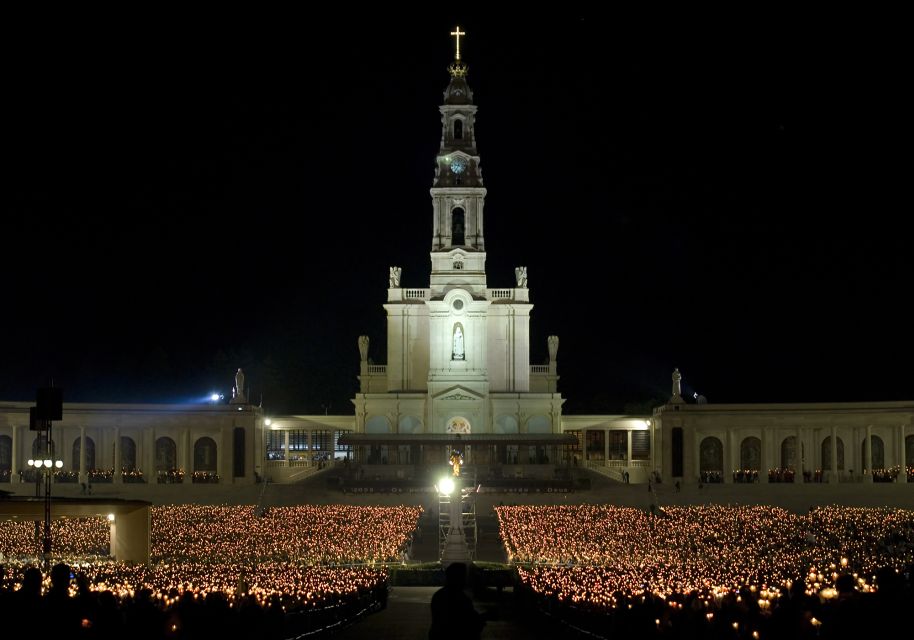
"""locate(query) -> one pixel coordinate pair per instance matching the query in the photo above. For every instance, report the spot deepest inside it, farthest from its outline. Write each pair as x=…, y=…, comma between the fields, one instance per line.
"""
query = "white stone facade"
x=120, y=443
x=458, y=349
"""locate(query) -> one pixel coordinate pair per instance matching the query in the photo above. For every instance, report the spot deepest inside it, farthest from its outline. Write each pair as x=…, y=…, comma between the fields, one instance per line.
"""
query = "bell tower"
x=458, y=353
x=458, y=195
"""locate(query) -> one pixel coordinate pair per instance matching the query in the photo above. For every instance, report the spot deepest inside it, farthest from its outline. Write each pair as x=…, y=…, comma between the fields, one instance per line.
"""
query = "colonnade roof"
x=458, y=439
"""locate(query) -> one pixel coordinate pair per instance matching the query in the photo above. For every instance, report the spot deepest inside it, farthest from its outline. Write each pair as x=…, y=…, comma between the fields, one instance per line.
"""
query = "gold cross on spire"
x=457, y=35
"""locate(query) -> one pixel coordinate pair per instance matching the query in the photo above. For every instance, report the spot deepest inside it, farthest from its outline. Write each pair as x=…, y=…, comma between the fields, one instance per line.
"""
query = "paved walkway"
x=408, y=617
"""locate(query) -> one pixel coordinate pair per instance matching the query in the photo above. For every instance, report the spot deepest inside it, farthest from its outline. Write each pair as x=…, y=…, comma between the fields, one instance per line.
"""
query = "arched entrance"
x=711, y=459
x=826, y=454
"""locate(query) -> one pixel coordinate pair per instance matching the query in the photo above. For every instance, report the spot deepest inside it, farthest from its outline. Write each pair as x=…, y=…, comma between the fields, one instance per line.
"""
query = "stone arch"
x=377, y=424
x=6, y=454
x=878, y=453
x=128, y=453
x=458, y=424
x=750, y=454
x=789, y=457
x=205, y=458
x=909, y=451
x=458, y=226
x=506, y=424
x=90, y=453
x=458, y=129
x=166, y=454
x=711, y=455
x=39, y=447
x=826, y=454
x=410, y=424
x=539, y=424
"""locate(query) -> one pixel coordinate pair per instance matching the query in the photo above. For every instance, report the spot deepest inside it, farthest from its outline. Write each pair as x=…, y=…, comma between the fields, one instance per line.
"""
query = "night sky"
x=187, y=197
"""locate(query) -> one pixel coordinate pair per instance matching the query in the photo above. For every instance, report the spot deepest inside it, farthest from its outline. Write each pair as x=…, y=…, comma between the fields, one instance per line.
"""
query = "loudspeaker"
x=50, y=404
x=36, y=423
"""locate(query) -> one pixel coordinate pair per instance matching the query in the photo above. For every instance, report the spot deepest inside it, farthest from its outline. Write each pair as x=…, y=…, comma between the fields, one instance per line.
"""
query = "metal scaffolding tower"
x=457, y=519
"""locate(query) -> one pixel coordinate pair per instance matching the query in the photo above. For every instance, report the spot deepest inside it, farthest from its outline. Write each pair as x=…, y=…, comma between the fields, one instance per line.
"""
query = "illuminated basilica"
x=458, y=377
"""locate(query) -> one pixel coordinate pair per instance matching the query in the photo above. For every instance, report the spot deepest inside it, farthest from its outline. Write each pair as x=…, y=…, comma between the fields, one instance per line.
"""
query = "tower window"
x=457, y=226
x=458, y=129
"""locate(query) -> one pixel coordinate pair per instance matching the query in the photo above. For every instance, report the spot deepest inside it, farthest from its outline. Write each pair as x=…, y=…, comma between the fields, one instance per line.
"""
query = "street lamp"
x=45, y=466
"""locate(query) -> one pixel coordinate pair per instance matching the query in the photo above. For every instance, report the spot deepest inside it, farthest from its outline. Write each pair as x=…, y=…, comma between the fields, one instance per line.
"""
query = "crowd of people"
x=690, y=568
x=701, y=571
x=304, y=567
x=310, y=534
x=188, y=600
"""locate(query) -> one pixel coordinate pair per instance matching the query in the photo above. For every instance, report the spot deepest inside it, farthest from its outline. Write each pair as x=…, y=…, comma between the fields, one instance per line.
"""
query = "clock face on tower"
x=458, y=165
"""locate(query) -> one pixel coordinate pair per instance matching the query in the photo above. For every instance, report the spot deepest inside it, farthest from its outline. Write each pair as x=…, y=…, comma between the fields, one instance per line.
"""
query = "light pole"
x=46, y=468
x=48, y=407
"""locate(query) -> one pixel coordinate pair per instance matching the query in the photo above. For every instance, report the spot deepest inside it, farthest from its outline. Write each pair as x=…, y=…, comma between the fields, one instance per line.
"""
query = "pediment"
x=458, y=393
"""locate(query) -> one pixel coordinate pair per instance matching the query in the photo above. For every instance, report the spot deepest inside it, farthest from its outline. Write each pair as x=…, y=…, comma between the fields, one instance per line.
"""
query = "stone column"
x=223, y=458
x=606, y=433
x=765, y=460
x=869, y=453
x=14, y=458
x=798, y=458
x=14, y=469
x=849, y=465
x=628, y=449
x=653, y=444
x=310, y=446
x=118, y=463
x=696, y=459
x=585, y=453
x=149, y=454
x=833, y=473
x=186, y=452
x=902, y=460
x=285, y=448
x=82, y=454
x=727, y=471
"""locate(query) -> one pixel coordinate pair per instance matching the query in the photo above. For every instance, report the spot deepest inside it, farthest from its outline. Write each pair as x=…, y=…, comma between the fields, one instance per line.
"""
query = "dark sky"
x=185, y=197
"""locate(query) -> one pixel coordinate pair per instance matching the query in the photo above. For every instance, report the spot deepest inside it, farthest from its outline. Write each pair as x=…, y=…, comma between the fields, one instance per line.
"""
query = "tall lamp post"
x=49, y=407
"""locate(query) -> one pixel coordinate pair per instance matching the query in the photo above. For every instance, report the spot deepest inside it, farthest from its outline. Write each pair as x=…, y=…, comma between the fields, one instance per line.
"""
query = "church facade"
x=458, y=351
x=458, y=378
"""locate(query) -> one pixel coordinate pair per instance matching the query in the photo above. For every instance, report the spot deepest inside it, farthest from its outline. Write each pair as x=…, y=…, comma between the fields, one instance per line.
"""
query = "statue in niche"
x=363, y=348
x=458, y=353
x=395, y=277
x=521, y=274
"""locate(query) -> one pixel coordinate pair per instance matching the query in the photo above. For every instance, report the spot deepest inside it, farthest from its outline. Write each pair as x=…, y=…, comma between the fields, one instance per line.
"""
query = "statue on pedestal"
x=395, y=277
x=553, y=343
x=455, y=461
x=363, y=348
x=677, y=385
x=238, y=396
x=520, y=273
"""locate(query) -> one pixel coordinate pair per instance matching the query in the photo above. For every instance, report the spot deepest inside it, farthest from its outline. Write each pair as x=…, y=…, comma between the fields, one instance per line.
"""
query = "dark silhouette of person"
x=25, y=605
x=60, y=609
x=453, y=615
